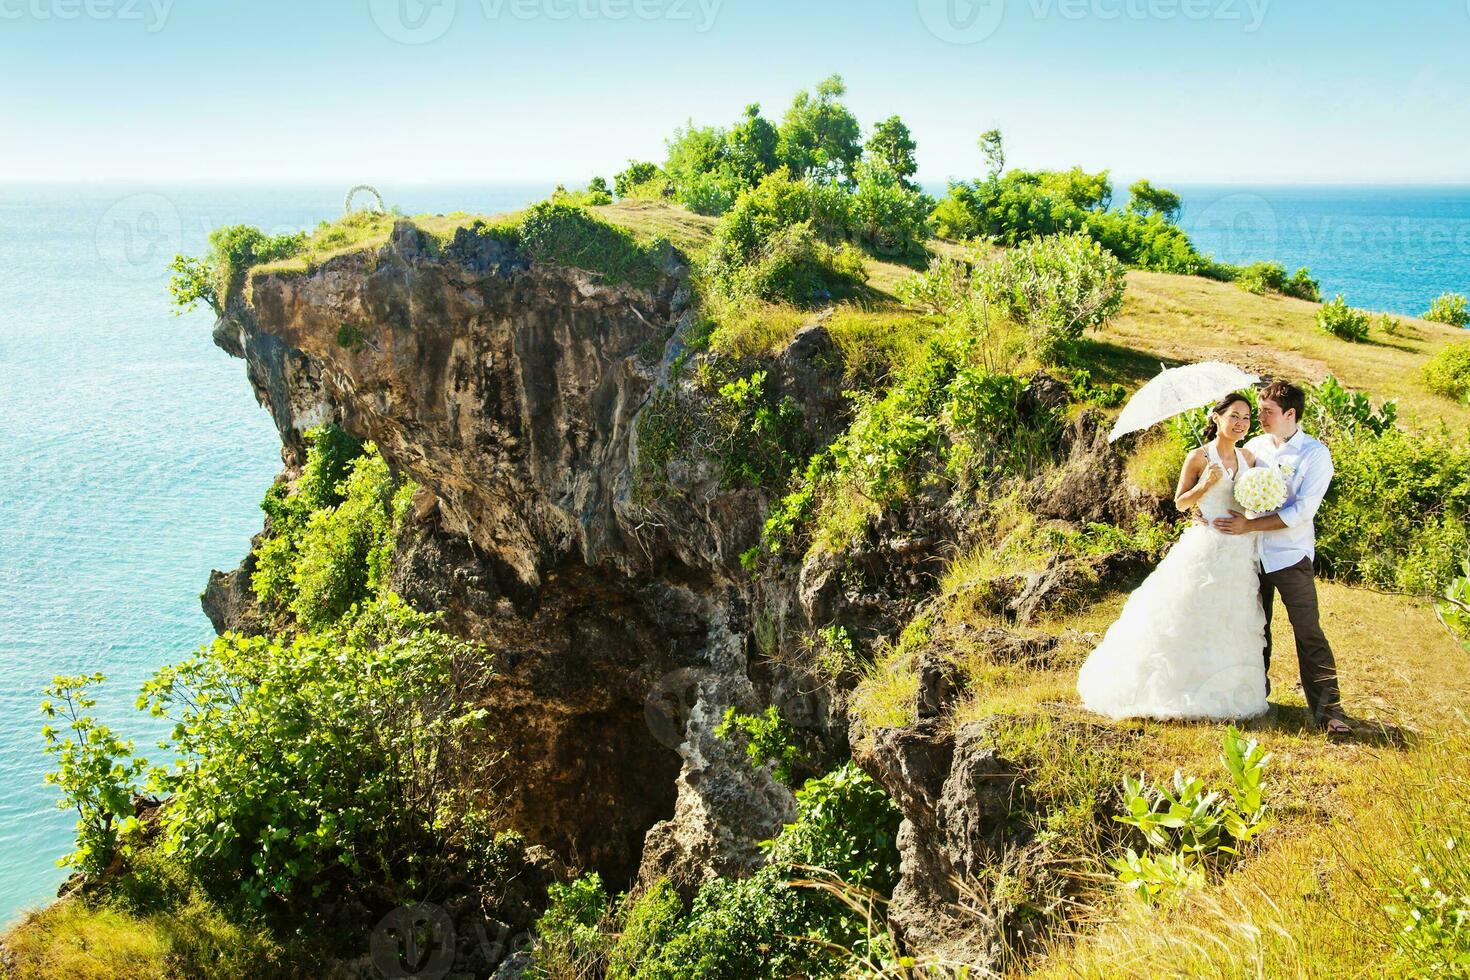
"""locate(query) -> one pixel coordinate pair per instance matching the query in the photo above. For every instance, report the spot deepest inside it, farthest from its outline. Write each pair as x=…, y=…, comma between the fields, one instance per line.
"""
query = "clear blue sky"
x=1256, y=91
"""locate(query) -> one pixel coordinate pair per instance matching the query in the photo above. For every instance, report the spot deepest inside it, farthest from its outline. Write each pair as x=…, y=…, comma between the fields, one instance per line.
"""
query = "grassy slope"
x=1273, y=917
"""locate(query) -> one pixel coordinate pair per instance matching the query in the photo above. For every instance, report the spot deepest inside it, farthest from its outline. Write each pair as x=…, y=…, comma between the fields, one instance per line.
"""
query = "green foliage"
x=751, y=147
x=889, y=217
x=330, y=538
x=768, y=739
x=846, y=824
x=1397, y=512
x=891, y=146
x=1145, y=199
x=638, y=173
x=818, y=135
x=1103, y=396
x=711, y=194
x=1191, y=830
x=1343, y=321
x=947, y=418
x=1263, y=277
x=220, y=274
x=795, y=266
x=1448, y=372
x=586, y=198
x=96, y=772
x=330, y=751
x=648, y=922
x=1056, y=288
x=1333, y=410
x=567, y=235
x=1453, y=607
x=764, y=928
x=569, y=937
x=992, y=145
x=1451, y=308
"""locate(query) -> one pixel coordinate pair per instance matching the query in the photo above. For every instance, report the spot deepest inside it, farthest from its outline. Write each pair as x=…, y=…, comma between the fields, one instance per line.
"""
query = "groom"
x=1287, y=545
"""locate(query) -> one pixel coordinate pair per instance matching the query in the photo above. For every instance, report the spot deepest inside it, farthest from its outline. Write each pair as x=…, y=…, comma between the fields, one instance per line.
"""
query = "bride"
x=1189, y=642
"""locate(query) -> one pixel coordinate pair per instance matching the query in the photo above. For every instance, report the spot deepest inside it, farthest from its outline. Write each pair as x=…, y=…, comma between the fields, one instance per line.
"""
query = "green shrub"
x=326, y=752
x=710, y=194
x=218, y=276
x=764, y=928
x=637, y=174
x=96, y=772
x=1342, y=321
x=1451, y=308
x=1448, y=372
x=647, y=922
x=794, y=266
x=570, y=935
x=888, y=217
x=768, y=739
x=1262, y=277
x=329, y=539
x=1333, y=410
x=1397, y=511
x=566, y=235
x=1192, y=831
x=1056, y=287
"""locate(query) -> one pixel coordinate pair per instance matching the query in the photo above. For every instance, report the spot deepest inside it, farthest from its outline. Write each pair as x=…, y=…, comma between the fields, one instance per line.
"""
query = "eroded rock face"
x=957, y=796
x=510, y=392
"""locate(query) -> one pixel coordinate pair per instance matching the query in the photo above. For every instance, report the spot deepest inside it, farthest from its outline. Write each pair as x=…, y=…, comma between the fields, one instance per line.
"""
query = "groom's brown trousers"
x=1313, y=652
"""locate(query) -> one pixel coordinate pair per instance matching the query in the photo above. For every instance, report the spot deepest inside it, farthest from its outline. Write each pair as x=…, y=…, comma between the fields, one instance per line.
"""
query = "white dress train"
x=1189, y=642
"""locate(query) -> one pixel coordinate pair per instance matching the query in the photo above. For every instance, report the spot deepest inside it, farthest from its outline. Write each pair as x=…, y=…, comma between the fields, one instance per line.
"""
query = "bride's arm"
x=1195, y=478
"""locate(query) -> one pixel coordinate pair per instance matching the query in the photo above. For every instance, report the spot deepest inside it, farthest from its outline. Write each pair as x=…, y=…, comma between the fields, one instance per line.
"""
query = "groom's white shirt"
x=1310, y=471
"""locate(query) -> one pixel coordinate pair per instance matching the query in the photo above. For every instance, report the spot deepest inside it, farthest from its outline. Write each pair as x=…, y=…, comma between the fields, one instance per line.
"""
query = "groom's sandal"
x=1337, y=730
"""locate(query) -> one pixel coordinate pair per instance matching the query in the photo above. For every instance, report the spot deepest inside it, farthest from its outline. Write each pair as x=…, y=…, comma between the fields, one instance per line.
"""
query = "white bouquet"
x=1261, y=489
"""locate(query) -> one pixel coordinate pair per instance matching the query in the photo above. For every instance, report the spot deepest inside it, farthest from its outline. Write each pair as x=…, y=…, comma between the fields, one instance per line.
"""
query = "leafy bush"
x=233, y=249
x=763, y=926
x=709, y=194
x=1333, y=410
x=330, y=751
x=567, y=235
x=569, y=934
x=767, y=740
x=1261, y=277
x=1342, y=321
x=1146, y=199
x=1451, y=308
x=889, y=218
x=95, y=770
x=1448, y=372
x=329, y=539
x=1056, y=287
x=648, y=922
x=1397, y=512
x=1192, y=831
x=637, y=174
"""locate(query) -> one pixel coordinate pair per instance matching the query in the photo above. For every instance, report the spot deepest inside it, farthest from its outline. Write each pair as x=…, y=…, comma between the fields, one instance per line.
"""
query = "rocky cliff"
x=622, y=627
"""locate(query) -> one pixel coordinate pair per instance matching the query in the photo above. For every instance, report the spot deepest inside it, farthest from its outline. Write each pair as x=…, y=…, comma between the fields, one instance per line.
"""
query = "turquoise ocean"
x=135, y=457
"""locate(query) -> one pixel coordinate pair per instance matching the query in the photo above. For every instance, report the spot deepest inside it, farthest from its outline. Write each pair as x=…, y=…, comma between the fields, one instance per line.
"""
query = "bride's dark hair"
x=1221, y=407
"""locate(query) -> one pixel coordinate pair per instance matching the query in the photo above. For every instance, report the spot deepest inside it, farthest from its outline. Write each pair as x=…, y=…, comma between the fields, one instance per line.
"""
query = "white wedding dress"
x=1189, y=642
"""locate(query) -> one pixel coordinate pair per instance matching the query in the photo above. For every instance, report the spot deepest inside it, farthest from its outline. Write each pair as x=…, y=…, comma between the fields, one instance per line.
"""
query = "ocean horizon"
x=139, y=456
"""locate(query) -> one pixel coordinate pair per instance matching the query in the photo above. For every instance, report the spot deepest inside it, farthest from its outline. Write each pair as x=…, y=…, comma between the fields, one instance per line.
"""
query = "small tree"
x=892, y=146
x=819, y=136
x=994, y=150
x=1146, y=199
x=1056, y=287
x=95, y=771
